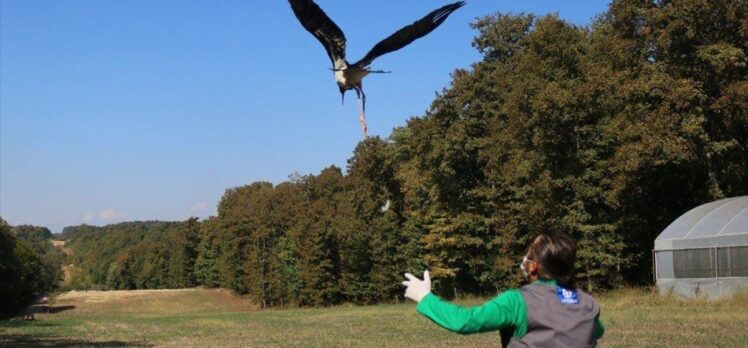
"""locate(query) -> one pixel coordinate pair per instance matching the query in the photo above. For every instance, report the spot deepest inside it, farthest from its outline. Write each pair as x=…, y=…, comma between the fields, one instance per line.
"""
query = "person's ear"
x=532, y=268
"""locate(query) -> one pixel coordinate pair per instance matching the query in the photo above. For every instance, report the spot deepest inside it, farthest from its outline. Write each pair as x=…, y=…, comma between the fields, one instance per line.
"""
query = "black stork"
x=348, y=76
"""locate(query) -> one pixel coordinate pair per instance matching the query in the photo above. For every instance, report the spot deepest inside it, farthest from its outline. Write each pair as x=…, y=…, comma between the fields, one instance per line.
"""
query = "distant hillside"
x=102, y=255
x=71, y=234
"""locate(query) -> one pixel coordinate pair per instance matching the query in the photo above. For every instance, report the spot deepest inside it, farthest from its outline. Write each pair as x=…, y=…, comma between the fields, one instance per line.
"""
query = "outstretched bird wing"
x=315, y=21
x=410, y=33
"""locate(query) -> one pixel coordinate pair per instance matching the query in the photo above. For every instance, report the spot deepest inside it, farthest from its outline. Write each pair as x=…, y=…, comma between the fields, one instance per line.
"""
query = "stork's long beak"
x=342, y=96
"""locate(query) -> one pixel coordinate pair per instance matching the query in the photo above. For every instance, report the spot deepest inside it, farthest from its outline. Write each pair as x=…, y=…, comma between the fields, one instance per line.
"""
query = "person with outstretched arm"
x=547, y=312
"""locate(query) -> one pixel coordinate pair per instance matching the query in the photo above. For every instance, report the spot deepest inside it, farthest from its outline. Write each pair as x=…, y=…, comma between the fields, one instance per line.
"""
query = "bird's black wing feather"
x=410, y=33
x=315, y=21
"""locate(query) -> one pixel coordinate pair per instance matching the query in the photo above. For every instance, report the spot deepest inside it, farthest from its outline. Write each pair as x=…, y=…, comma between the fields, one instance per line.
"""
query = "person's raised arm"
x=501, y=312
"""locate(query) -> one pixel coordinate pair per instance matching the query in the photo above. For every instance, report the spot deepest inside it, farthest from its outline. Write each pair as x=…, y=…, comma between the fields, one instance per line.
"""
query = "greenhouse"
x=704, y=253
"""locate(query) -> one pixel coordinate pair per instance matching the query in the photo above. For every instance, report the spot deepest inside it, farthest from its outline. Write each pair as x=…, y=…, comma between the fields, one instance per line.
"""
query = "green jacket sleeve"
x=599, y=328
x=504, y=311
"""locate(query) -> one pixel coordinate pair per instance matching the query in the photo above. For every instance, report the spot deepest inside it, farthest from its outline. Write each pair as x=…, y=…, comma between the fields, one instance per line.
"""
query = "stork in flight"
x=349, y=76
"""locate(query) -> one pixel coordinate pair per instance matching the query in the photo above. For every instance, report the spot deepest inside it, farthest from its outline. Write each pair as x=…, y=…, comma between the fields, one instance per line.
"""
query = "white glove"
x=417, y=289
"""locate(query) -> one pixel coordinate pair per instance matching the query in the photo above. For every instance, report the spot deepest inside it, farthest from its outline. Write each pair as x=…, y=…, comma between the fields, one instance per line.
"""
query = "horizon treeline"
x=607, y=132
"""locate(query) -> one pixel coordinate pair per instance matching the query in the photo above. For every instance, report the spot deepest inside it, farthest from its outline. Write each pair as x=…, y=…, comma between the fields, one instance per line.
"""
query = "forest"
x=606, y=132
x=29, y=265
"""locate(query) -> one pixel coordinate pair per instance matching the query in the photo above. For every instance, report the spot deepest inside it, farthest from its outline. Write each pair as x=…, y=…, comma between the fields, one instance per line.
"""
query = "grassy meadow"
x=201, y=317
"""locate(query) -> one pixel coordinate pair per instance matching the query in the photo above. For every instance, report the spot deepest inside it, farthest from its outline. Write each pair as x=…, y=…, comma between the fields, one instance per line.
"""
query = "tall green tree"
x=318, y=253
x=11, y=272
x=39, y=239
x=208, y=250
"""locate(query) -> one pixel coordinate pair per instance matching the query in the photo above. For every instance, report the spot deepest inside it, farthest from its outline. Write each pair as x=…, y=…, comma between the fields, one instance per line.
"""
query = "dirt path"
x=66, y=269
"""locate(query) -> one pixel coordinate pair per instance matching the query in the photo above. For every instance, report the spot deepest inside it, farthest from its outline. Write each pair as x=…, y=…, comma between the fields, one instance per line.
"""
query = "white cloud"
x=110, y=214
x=88, y=218
x=198, y=207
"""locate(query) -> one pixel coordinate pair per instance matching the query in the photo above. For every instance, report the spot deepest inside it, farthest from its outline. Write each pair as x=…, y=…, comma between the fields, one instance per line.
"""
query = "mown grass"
x=633, y=317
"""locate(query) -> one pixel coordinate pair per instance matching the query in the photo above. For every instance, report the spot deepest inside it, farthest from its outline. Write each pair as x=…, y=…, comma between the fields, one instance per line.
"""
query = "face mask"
x=522, y=267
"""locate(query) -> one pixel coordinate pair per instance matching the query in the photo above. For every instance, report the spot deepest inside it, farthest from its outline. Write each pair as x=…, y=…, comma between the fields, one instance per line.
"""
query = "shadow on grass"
x=23, y=323
x=42, y=340
x=58, y=309
x=51, y=341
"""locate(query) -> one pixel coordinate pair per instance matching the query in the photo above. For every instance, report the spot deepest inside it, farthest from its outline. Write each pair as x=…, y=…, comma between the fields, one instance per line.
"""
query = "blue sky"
x=138, y=110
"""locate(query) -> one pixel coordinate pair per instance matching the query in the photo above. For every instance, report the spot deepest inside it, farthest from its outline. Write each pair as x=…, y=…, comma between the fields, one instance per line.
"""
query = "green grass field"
x=634, y=318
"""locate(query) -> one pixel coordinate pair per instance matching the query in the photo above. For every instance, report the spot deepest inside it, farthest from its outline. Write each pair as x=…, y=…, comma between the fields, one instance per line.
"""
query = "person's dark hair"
x=556, y=254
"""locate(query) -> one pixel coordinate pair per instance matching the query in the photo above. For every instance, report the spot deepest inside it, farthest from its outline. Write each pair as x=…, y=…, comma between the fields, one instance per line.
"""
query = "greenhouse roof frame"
x=716, y=224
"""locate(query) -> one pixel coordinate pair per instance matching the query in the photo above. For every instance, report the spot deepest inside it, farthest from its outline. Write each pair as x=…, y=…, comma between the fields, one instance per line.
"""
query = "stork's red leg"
x=362, y=107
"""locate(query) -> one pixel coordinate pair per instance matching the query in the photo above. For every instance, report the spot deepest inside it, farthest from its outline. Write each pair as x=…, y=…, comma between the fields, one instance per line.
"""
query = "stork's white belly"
x=350, y=76
x=340, y=77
